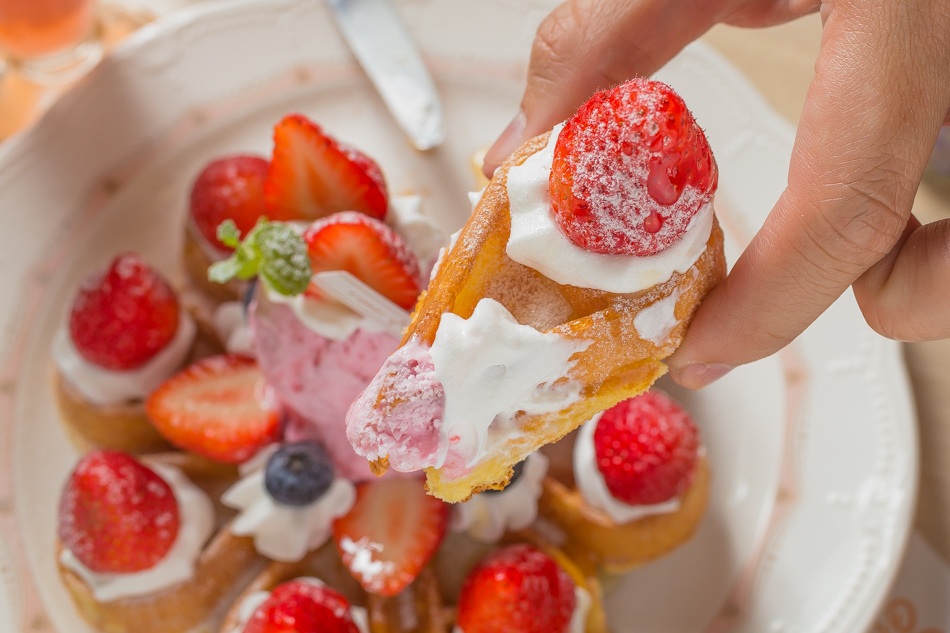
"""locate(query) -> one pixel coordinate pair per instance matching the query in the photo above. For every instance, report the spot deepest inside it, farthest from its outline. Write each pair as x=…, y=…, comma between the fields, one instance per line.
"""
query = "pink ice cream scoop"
x=316, y=378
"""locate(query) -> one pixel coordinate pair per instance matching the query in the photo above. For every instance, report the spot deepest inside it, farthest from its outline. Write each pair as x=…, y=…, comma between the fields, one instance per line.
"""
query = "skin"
x=880, y=93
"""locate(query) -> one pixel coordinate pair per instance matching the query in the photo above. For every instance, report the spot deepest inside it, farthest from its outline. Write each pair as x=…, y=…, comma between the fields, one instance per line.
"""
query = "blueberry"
x=514, y=477
x=298, y=474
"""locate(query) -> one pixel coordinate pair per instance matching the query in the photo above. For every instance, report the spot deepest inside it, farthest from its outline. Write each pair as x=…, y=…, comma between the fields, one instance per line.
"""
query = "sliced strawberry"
x=230, y=188
x=122, y=317
x=300, y=606
x=631, y=169
x=647, y=449
x=219, y=407
x=312, y=176
x=116, y=515
x=517, y=588
x=390, y=533
x=368, y=249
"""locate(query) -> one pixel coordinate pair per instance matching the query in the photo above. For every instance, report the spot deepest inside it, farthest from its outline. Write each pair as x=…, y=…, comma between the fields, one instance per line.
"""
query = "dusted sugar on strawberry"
x=517, y=588
x=318, y=377
x=647, y=449
x=302, y=606
x=116, y=515
x=230, y=188
x=122, y=317
x=631, y=169
x=399, y=415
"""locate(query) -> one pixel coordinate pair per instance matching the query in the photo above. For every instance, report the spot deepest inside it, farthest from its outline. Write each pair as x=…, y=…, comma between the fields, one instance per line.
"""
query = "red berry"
x=646, y=449
x=312, y=176
x=517, y=588
x=123, y=316
x=390, y=533
x=219, y=407
x=230, y=188
x=116, y=515
x=368, y=249
x=299, y=606
x=631, y=169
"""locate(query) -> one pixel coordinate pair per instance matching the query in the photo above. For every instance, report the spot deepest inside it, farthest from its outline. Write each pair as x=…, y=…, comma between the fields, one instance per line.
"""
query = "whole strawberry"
x=123, y=316
x=631, y=169
x=517, y=589
x=116, y=515
x=647, y=448
x=230, y=188
x=300, y=606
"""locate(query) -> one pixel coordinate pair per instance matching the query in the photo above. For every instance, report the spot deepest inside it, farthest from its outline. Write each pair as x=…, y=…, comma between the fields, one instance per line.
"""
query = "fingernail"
x=698, y=375
x=507, y=143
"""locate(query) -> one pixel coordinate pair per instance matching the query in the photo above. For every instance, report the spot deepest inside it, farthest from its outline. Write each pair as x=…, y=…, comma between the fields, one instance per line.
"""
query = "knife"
x=383, y=47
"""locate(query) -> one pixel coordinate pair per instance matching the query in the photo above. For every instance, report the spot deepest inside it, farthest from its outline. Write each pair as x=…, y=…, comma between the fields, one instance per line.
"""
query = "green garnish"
x=273, y=251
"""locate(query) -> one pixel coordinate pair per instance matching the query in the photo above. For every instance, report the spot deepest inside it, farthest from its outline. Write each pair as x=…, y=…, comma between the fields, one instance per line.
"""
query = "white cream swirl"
x=593, y=488
x=105, y=386
x=282, y=532
x=196, y=515
x=255, y=599
x=492, y=367
x=536, y=241
x=487, y=516
x=231, y=326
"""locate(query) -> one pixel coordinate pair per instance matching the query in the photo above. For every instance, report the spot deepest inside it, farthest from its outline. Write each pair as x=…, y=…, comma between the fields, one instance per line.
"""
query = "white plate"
x=813, y=451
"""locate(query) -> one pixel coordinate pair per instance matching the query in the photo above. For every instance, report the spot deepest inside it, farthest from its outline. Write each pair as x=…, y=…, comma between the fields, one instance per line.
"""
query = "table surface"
x=779, y=61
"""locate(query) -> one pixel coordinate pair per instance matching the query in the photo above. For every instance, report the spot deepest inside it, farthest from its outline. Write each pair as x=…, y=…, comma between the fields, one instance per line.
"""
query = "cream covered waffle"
x=577, y=273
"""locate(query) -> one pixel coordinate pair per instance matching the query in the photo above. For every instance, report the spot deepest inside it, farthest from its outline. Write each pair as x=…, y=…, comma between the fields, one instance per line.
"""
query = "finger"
x=587, y=45
x=904, y=296
x=871, y=117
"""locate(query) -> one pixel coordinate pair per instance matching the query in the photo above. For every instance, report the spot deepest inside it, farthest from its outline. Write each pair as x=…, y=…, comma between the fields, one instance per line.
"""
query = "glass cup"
x=49, y=41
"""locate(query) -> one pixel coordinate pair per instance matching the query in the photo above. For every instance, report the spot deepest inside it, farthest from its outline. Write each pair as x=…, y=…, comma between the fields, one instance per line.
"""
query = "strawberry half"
x=299, y=606
x=312, y=176
x=219, y=407
x=631, y=169
x=647, y=449
x=230, y=188
x=391, y=532
x=368, y=249
x=116, y=515
x=517, y=588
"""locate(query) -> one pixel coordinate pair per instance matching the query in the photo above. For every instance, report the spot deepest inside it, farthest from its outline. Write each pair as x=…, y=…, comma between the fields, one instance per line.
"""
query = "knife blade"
x=382, y=45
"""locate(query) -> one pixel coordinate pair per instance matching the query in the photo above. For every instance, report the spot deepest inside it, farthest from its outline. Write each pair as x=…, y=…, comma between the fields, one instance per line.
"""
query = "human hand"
x=880, y=93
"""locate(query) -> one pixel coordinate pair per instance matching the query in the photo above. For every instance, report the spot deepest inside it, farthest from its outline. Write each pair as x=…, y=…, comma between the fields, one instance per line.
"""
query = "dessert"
x=139, y=547
x=301, y=605
x=639, y=484
x=577, y=273
x=125, y=335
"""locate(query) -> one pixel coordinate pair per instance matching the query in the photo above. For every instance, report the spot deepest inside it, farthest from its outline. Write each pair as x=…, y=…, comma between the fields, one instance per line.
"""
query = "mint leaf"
x=274, y=251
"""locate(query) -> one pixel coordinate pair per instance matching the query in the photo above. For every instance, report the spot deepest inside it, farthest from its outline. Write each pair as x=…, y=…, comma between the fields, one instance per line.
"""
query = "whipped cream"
x=255, y=599
x=491, y=367
x=104, y=386
x=537, y=243
x=486, y=517
x=330, y=319
x=232, y=327
x=421, y=233
x=282, y=532
x=578, y=623
x=594, y=489
x=196, y=515
x=655, y=322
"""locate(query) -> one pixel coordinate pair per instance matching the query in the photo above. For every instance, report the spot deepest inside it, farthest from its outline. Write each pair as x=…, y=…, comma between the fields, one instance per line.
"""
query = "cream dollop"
x=256, y=598
x=487, y=516
x=282, y=532
x=536, y=242
x=491, y=367
x=655, y=322
x=421, y=233
x=105, y=386
x=232, y=327
x=196, y=515
x=593, y=488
